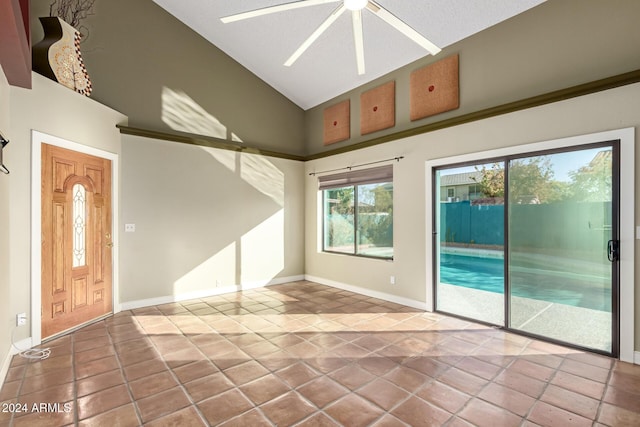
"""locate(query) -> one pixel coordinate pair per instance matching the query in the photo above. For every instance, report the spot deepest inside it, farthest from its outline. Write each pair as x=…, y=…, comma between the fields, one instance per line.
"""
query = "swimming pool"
x=487, y=274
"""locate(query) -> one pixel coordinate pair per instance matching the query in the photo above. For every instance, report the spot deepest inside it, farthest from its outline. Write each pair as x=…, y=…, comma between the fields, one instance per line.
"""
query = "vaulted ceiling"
x=328, y=67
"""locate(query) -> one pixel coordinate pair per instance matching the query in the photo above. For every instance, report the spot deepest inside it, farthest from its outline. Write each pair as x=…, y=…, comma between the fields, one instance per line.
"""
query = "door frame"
x=627, y=220
x=37, y=139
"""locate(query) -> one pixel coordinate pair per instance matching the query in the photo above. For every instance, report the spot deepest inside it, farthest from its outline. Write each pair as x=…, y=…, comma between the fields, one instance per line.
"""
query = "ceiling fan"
x=356, y=7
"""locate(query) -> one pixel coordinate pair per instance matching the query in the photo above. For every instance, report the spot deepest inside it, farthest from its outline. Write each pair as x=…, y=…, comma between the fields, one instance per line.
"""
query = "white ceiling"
x=328, y=68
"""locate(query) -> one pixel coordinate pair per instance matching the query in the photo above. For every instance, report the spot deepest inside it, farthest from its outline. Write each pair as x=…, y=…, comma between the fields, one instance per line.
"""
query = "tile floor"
x=309, y=355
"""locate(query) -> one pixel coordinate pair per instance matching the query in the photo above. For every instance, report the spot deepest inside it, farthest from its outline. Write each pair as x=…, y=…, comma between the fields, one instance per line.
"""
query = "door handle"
x=613, y=248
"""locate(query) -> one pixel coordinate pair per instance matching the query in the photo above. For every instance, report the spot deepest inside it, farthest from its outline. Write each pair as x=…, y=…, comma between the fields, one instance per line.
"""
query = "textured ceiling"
x=328, y=68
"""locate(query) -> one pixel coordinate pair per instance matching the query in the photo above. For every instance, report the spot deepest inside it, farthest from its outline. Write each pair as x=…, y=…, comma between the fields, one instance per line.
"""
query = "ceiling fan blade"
x=399, y=25
x=321, y=29
x=273, y=9
x=358, y=37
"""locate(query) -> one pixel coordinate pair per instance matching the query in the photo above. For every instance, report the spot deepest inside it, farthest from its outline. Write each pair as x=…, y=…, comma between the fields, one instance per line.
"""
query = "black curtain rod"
x=397, y=159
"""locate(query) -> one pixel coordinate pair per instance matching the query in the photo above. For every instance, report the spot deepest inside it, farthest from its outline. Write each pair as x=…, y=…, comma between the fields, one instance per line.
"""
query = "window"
x=358, y=212
x=451, y=193
x=475, y=192
x=79, y=225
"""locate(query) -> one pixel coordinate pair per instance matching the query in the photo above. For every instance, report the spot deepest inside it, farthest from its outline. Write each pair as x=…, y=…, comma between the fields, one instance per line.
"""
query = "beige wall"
x=222, y=211
x=55, y=110
x=598, y=112
x=148, y=65
x=7, y=321
x=559, y=44
x=206, y=220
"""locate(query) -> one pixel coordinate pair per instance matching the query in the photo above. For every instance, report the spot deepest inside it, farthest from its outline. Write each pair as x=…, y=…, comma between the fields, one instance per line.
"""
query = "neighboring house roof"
x=464, y=178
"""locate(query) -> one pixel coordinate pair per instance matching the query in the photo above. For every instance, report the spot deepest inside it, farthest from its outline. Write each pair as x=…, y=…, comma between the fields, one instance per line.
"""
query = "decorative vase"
x=58, y=56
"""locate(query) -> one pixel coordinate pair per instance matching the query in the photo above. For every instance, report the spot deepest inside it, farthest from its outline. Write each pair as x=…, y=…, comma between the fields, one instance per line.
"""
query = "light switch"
x=129, y=228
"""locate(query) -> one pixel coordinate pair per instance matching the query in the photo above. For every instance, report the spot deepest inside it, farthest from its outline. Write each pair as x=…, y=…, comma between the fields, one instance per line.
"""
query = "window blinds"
x=356, y=177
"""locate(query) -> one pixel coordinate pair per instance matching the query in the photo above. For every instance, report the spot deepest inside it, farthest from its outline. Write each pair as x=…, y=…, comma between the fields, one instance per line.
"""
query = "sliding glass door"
x=530, y=243
x=470, y=241
x=561, y=223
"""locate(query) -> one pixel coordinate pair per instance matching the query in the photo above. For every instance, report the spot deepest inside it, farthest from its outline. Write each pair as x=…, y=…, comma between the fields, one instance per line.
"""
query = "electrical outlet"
x=21, y=319
x=392, y=280
x=129, y=228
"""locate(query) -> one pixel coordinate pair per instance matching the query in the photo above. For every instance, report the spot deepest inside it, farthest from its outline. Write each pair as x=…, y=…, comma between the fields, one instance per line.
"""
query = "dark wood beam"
x=205, y=141
x=547, y=98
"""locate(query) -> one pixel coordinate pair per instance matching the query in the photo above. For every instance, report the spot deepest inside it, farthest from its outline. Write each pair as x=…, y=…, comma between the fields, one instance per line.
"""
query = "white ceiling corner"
x=328, y=68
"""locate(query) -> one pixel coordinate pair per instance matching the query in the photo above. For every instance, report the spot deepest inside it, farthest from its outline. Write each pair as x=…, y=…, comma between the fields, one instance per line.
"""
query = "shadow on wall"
x=180, y=112
x=206, y=218
x=257, y=255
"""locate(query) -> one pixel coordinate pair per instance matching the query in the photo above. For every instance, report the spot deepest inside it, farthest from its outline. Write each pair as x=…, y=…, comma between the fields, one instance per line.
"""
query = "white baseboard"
x=130, y=305
x=636, y=357
x=420, y=305
x=16, y=348
x=5, y=367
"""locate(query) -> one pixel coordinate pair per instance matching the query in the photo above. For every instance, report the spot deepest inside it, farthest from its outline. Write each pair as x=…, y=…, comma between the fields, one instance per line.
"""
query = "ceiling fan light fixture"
x=355, y=4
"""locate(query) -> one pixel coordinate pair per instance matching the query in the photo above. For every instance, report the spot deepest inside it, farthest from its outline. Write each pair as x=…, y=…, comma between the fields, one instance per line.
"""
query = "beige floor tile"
x=417, y=412
x=152, y=384
x=99, y=382
x=578, y=384
x=443, y=396
x=383, y=393
x=623, y=399
x=552, y=416
x=323, y=391
x=122, y=416
x=318, y=420
x=161, y=404
x=615, y=416
x=297, y=374
x=265, y=389
x=483, y=414
x=571, y=401
x=305, y=354
x=102, y=401
x=463, y=381
x=352, y=376
x=209, y=386
x=406, y=378
x=287, y=409
x=187, y=417
x=245, y=372
x=511, y=400
x=253, y=418
x=353, y=410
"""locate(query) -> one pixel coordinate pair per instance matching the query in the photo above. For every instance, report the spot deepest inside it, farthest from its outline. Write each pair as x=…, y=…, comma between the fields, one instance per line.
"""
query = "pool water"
x=487, y=274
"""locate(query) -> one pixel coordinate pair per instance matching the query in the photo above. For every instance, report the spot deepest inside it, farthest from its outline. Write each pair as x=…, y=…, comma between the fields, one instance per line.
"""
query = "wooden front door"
x=76, y=239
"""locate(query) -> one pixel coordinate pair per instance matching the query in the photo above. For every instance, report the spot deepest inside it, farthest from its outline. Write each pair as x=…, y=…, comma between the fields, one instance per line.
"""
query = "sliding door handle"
x=613, y=250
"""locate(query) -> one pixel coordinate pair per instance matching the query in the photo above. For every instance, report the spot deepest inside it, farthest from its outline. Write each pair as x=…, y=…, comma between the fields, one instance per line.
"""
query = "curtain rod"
x=397, y=159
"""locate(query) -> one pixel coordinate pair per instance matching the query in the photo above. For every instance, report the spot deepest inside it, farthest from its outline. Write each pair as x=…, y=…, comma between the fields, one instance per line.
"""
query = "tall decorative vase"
x=58, y=56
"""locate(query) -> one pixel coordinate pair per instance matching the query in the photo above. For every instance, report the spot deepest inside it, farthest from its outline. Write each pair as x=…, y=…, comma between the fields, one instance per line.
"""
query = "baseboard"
x=15, y=348
x=130, y=305
x=636, y=357
x=5, y=367
x=420, y=305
